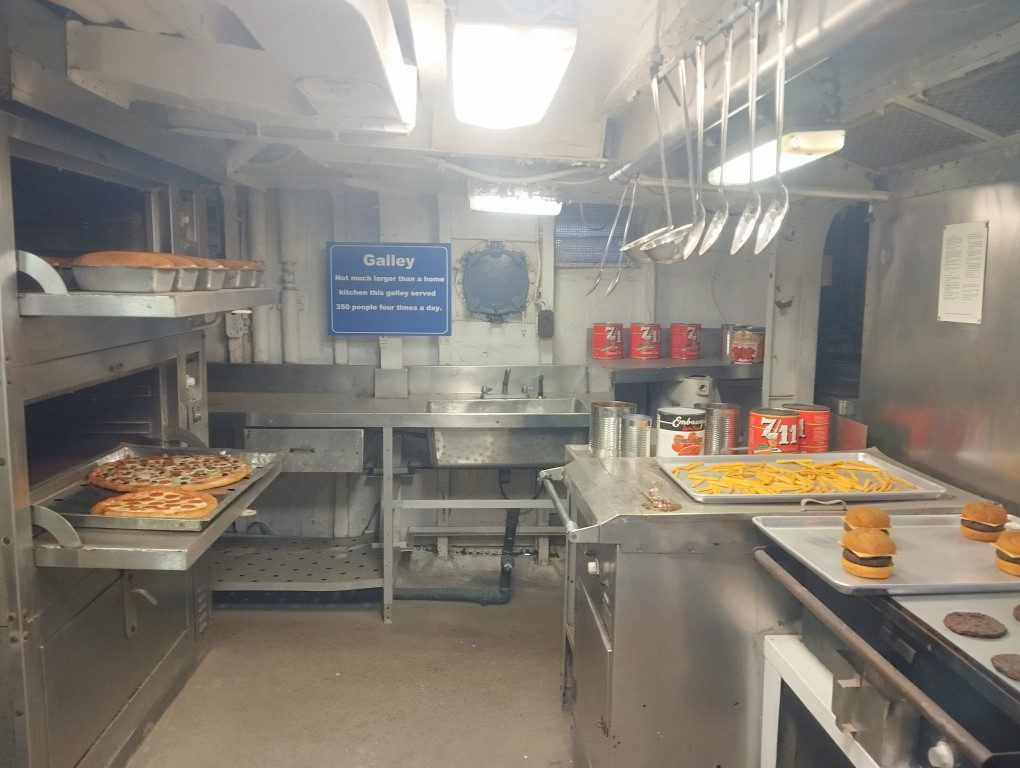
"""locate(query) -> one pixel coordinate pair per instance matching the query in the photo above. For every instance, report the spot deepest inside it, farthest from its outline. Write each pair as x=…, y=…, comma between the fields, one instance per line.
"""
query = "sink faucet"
x=541, y=386
x=485, y=391
x=506, y=381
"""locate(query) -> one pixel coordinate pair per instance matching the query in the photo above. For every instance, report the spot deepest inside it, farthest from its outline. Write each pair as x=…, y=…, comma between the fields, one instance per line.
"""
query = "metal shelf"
x=187, y=304
x=277, y=563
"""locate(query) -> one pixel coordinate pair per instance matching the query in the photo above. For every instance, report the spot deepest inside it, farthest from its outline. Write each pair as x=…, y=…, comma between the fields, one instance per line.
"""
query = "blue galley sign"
x=389, y=289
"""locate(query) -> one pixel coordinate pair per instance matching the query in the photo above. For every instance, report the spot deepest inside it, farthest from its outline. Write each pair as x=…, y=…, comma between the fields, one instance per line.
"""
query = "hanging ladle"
x=655, y=235
x=609, y=241
x=715, y=225
x=752, y=210
x=626, y=230
x=773, y=218
x=698, y=228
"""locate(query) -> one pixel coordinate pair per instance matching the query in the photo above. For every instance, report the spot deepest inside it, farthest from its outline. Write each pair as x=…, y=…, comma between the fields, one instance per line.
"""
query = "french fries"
x=790, y=476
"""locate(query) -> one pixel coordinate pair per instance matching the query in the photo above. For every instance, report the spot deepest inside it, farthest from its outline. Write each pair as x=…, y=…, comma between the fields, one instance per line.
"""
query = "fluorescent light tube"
x=505, y=75
x=799, y=148
x=516, y=200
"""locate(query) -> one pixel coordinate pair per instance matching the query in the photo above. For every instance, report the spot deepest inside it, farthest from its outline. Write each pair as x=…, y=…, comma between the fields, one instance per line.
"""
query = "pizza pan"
x=932, y=557
x=74, y=499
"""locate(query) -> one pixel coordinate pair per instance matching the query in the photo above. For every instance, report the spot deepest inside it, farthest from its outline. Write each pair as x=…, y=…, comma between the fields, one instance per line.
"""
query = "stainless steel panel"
x=501, y=447
x=189, y=304
x=944, y=397
x=312, y=450
x=91, y=669
x=926, y=488
x=593, y=669
x=931, y=555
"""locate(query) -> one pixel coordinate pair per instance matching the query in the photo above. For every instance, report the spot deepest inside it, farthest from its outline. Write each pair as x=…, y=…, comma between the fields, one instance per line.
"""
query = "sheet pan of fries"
x=851, y=476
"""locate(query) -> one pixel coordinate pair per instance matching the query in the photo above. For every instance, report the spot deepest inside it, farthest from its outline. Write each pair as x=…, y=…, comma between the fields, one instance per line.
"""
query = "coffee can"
x=773, y=430
x=681, y=432
x=814, y=426
x=607, y=341
x=636, y=440
x=722, y=427
x=747, y=345
x=645, y=341
x=685, y=341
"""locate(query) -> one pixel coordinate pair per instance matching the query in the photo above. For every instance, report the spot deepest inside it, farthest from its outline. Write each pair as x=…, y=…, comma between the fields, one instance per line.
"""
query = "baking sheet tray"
x=932, y=557
x=926, y=487
x=932, y=609
x=75, y=500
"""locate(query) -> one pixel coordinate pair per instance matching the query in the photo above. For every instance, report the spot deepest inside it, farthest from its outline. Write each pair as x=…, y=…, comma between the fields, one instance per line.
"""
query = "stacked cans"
x=773, y=430
x=605, y=428
x=722, y=428
x=636, y=439
x=813, y=429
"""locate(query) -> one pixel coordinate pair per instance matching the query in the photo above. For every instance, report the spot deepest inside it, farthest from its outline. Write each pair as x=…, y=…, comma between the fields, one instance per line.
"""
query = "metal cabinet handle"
x=146, y=594
x=303, y=449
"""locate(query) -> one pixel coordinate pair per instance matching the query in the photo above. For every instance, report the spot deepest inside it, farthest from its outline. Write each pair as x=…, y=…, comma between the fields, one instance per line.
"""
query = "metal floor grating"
x=266, y=563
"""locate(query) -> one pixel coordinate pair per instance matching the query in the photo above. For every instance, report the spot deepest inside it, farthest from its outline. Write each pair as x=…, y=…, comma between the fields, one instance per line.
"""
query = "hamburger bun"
x=982, y=521
x=1007, y=552
x=125, y=259
x=866, y=517
x=867, y=552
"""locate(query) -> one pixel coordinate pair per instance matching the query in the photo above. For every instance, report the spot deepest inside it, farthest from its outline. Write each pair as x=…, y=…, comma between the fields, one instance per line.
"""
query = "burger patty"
x=974, y=525
x=871, y=562
x=1003, y=556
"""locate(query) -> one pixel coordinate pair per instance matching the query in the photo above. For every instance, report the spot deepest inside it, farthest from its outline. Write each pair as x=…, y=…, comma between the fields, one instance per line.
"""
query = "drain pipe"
x=290, y=301
x=499, y=596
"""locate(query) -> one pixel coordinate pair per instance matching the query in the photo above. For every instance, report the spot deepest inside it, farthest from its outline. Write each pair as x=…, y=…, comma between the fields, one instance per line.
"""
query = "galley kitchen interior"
x=595, y=383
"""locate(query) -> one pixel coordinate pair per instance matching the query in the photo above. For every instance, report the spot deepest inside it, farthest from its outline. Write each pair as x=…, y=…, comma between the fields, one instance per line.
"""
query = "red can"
x=747, y=345
x=814, y=426
x=685, y=341
x=607, y=341
x=645, y=341
x=774, y=430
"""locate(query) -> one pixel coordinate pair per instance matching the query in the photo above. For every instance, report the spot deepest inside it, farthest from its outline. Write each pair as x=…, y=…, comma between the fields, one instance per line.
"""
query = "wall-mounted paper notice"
x=962, y=277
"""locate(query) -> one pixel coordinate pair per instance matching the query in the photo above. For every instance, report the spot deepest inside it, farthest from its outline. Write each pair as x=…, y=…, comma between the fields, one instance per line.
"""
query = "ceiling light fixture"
x=513, y=200
x=505, y=75
x=799, y=148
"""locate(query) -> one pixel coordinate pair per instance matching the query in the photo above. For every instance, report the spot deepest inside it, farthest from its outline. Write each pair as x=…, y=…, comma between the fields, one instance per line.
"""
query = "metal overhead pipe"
x=809, y=46
x=829, y=193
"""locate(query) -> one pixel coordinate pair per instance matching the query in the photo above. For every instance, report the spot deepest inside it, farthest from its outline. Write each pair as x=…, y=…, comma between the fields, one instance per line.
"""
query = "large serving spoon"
x=715, y=225
x=626, y=230
x=656, y=234
x=773, y=218
x=609, y=241
x=698, y=228
x=752, y=210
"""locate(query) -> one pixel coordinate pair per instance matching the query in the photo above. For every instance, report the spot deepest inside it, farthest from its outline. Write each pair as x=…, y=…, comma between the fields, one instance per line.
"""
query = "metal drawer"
x=311, y=450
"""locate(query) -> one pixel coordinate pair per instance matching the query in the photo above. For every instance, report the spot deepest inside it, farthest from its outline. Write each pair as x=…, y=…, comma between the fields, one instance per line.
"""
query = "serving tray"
x=74, y=499
x=932, y=557
x=924, y=487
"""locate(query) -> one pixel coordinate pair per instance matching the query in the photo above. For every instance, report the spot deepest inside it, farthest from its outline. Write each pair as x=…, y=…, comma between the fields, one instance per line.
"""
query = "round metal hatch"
x=495, y=281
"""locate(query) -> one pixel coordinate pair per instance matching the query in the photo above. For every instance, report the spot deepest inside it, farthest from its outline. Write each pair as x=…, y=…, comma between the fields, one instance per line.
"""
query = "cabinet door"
x=91, y=668
x=593, y=659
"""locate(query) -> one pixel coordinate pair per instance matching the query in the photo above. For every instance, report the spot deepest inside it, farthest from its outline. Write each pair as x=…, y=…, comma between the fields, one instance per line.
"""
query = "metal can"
x=814, y=426
x=681, y=432
x=605, y=427
x=773, y=430
x=747, y=345
x=607, y=341
x=645, y=341
x=636, y=435
x=722, y=425
x=727, y=338
x=685, y=341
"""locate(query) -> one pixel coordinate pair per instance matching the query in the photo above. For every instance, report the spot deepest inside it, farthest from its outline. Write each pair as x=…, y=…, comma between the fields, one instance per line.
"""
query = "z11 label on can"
x=685, y=341
x=645, y=341
x=814, y=426
x=607, y=341
x=773, y=430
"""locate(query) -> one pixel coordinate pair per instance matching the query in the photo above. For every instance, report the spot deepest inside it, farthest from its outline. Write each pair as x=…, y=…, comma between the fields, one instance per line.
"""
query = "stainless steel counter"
x=332, y=410
x=631, y=371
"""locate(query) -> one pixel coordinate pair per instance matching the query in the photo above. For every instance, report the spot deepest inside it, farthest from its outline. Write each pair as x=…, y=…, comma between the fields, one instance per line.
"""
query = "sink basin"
x=506, y=432
x=548, y=405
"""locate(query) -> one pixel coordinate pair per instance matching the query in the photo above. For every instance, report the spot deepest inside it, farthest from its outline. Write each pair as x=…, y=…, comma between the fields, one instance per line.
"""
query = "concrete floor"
x=333, y=687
